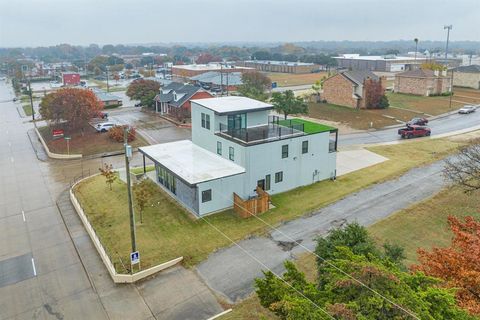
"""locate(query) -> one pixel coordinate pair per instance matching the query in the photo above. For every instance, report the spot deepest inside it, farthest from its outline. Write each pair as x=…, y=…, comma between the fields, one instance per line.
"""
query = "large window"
x=166, y=179
x=285, y=151
x=267, y=182
x=219, y=148
x=304, y=146
x=206, y=195
x=206, y=121
x=279, y=177
x=231, y=153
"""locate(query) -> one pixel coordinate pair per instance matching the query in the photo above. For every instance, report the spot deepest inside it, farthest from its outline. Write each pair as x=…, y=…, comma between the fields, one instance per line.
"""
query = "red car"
x=101, y=115
x=417, y=122
x=414, y=131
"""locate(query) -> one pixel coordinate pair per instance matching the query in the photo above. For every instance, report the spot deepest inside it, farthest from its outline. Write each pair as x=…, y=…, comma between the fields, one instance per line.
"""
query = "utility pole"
x=128, y=155
x=221, y=78
x=416, y=47
x=449, y=27
x=31, y=100
x=108, y=88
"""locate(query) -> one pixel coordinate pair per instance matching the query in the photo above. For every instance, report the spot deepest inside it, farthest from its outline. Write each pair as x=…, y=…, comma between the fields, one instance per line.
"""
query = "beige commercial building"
x=466, y=76
x=422, y=82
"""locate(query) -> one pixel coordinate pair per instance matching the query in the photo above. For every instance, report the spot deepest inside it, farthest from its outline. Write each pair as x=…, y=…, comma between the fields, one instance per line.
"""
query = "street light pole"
x=449, y=27
x=108, y=88
x=128, y=155
x=31, y=100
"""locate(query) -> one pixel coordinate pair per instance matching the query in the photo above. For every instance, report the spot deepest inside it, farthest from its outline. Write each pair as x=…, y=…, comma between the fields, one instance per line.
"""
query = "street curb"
x=56, y=155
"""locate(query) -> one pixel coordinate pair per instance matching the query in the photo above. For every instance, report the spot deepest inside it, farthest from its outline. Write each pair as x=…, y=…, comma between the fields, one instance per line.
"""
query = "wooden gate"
x=254, y=206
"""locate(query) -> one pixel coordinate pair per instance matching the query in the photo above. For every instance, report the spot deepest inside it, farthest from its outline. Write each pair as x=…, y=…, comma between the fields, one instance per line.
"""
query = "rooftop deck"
x=276, y=129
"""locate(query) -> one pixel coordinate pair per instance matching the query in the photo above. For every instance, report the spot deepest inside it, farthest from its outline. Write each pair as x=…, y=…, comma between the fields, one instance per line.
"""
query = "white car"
x=467, y=109
x=104, y=126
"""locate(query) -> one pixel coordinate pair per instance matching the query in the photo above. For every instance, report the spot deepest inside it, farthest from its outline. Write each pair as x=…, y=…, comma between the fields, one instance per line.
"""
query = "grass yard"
x=308, y=126
x=428, y=105
x=169, y=231
x=291, y=79
x=424, y=224
x=90, y=143
x=27, y=109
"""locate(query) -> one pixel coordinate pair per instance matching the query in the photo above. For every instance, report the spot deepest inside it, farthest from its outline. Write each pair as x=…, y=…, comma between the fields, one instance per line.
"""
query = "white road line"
x=34, y=270
x=9, y=144
x=23, y=215
x=11, y=159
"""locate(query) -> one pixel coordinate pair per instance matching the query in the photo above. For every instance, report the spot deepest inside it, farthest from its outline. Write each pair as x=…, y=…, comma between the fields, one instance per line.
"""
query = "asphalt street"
x=230, y=272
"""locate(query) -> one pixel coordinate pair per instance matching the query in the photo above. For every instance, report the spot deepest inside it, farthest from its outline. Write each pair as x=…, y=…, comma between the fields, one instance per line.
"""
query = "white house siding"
x=298, y=169
x=222, y=193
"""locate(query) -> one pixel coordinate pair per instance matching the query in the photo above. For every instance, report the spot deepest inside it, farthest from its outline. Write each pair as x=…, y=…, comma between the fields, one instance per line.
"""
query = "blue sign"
x=134, y=257
x=274, y=85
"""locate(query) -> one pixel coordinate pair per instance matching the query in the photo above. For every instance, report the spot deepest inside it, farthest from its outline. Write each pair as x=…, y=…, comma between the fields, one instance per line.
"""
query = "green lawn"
x=27, y=109
x=169, y=231
x=424, y=224
x=308, y=126
x=429, y=105
x=139, y=170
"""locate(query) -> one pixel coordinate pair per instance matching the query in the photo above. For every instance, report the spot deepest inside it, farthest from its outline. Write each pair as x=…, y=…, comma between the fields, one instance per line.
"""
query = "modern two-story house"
x=237, y=146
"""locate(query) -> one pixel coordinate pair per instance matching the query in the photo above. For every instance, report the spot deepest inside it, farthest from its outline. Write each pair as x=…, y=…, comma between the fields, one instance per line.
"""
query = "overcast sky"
x=49, y=22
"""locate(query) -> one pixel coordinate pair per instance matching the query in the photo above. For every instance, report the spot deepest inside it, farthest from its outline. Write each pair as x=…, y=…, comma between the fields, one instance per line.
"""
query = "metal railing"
x=275, y=130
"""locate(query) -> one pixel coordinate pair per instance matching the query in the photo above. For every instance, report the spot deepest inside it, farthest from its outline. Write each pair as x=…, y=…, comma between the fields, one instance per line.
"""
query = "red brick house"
x=348, y=88
x=422, y=82
x=174, y=99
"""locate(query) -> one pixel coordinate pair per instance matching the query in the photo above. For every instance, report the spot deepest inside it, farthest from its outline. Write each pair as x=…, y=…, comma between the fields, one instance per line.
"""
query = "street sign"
x=57, y=133
x=128, y=151
x=67, y=138
x=135, y=257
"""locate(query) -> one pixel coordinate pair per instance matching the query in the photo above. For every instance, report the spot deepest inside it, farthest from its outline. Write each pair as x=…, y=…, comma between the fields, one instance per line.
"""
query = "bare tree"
x=464, y=169
x=109, y=174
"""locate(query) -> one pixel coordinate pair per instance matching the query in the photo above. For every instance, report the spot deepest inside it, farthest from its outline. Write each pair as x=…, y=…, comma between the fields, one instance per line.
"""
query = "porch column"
x=144, y=167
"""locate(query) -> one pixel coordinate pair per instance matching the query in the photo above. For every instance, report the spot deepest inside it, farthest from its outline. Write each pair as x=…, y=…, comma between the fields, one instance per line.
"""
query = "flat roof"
x=280, y=63
x=382, y=58
x=190, y=162
x=207, y=67
x=230, y=104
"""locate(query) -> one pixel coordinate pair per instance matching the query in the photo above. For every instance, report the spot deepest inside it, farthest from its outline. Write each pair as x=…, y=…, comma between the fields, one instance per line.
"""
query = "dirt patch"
x=291, y=79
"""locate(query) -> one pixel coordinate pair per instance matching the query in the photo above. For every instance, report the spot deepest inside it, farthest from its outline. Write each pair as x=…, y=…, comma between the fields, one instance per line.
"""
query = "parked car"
x=104, y=126
x=101, y=115
x=467, y=109
x=414, y=131
x=137, y=105
x=417, y=122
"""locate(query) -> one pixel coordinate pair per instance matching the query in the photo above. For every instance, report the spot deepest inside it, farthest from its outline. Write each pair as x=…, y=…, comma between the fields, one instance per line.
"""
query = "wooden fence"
x=254, y=206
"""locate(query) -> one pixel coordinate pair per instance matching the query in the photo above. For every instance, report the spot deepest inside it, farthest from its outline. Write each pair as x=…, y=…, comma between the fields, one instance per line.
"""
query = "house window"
x=231, y=153
x=304, y=146
x=279, y=177
x=206, y=195
x=219, y=148
x=203, y=120
x=285, y=151
x=267, y=182
x=206, y=121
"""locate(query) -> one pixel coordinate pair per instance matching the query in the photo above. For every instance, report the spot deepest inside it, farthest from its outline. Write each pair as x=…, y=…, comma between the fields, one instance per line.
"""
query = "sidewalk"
x=176, y=293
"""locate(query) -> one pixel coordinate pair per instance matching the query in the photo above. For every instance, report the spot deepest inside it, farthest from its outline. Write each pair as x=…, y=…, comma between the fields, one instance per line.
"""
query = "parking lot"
x=152, y=127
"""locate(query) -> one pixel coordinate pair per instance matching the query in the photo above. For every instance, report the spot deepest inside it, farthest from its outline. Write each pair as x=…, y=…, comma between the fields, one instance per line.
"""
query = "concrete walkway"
x=231, y=271
x=176, y=293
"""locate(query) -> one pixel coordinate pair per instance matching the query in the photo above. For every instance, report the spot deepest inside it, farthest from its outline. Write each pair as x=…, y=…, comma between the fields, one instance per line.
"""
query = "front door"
x=261, y=184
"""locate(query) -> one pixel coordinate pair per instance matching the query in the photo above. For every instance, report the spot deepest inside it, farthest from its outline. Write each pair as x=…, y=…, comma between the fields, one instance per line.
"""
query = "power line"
x=334, y=266
x=266, y=267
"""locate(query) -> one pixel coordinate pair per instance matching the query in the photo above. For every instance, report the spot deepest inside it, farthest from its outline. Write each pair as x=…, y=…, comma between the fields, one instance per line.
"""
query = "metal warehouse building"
x=390, y=63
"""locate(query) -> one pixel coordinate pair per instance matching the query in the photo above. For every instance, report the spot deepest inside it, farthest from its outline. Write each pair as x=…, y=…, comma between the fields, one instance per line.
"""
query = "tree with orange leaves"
x=459, y=264
x=73, y=105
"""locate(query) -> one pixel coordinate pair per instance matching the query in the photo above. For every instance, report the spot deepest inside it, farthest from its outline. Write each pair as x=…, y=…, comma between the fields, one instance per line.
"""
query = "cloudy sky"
x=49, y=22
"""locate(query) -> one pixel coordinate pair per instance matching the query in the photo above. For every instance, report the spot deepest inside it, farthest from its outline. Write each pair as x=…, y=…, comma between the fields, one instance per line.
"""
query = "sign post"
x=135, y=259
x=68, y=144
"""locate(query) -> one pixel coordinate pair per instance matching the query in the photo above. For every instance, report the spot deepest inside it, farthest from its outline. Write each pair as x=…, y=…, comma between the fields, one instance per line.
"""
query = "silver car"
x=467, y=109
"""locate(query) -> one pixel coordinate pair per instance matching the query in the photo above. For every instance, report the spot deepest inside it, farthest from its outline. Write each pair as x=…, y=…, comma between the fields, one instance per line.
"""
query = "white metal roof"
x=379, y=58
x=191, y=162
x=208, y=67
x=232, y=104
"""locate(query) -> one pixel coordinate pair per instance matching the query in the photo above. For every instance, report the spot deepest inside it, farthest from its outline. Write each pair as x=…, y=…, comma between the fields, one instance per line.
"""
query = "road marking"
x=34, y=270
x=9, y=144
x=11, y=159
x=23, y=215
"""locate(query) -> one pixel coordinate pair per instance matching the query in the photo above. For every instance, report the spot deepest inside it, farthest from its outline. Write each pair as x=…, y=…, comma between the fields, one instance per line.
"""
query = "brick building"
x=347, y=88
x=280, y=66
x=174, y=99
x=466, y=76
x=422, y=82
x=70, y=78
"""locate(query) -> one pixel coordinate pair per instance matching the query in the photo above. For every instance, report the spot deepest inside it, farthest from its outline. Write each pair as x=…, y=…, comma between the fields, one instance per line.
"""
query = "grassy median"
x=168, y=231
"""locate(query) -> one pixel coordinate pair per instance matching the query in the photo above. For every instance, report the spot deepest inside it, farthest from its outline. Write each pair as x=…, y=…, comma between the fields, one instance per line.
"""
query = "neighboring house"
x=236, y=147
x=422, y=82
x=71, y=78
x=174, y=99
x=108, y=99
x=466, y=76
x=348, y=88
x=228, y=81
